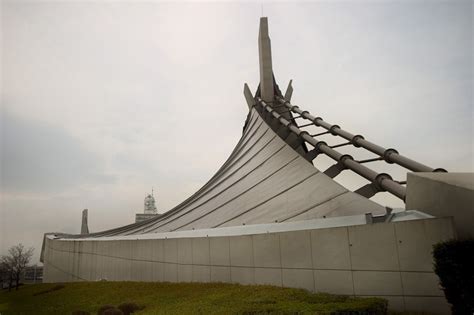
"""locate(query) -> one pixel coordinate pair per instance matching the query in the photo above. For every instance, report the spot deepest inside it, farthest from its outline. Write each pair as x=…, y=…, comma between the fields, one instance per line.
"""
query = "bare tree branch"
x=15, y=262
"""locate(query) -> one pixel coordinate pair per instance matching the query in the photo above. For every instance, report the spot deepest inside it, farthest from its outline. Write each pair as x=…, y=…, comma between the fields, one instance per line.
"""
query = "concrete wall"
x=390, y=260
x=444, y=194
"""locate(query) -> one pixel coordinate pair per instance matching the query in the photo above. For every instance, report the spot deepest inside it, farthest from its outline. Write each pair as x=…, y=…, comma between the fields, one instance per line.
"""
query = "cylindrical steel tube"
x=382, y=181
x=390, y=155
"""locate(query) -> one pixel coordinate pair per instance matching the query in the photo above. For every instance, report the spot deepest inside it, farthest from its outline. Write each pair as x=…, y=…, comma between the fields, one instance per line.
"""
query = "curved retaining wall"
x=391, y=260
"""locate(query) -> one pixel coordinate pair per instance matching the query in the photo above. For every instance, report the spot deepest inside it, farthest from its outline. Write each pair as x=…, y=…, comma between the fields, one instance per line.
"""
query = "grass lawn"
x=177, y=298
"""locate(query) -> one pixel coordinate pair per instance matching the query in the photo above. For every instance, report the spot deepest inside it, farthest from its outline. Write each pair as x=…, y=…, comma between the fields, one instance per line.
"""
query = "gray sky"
x=102, y=100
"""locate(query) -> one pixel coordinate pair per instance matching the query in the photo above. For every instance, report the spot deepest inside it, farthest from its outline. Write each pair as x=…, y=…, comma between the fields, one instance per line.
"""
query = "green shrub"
x=104, y=308
x=454, y=263
x=80, y=313
x=326, y=304
x=129, y=308
x=113, y=311
x=367, y=306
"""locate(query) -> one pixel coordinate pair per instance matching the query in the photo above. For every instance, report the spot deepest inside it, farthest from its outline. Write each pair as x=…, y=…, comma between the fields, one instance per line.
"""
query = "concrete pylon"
x=289, y=91
x=84, y=226
x=248, y=96
x=265, y=58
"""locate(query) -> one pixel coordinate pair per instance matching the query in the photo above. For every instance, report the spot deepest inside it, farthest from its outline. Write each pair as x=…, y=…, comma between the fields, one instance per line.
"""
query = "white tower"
x=149, y=209
x=149, y=204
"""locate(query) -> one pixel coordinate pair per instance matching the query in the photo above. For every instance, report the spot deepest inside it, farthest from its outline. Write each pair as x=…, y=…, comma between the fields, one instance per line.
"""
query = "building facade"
x=269, y=216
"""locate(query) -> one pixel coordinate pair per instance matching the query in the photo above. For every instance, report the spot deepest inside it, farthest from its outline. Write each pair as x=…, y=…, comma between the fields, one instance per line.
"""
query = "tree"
x=15, y=263
x=6, y=264
x=5, y=271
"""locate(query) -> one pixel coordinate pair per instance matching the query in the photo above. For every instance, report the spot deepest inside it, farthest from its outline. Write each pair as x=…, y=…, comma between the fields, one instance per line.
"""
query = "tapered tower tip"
x=265, y=59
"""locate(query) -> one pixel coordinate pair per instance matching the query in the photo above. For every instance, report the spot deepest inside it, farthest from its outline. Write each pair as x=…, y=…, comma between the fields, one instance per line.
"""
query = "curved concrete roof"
x=264, y=180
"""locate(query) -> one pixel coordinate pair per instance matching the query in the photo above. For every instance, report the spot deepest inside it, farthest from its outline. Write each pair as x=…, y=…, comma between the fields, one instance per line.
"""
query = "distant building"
x=33, y=274
x=149, y=209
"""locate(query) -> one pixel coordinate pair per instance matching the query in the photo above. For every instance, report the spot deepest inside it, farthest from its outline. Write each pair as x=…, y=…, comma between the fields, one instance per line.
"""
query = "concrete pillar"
x=84, y=226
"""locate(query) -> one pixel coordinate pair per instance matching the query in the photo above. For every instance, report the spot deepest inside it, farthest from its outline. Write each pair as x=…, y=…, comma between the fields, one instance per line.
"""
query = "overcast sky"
x=101, y=101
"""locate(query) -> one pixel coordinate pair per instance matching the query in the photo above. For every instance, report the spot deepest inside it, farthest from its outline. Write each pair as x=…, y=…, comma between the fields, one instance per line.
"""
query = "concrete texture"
x=419, y=284
x=220, y=274
x=219, y=248
x=200, y=249
x=185, y=251
x=241, y=251
x=369, y=253
x=271, y=276
x=414, y=236
x=444, y=194
x=298, y=278
x=365, y=260
x=296, y=250
x=201, y=273
x=330, y=248
x=185, y=273
x=334, y=281
x=427, y=304
x=377, y=283
x=242, y=275
x=266, y=250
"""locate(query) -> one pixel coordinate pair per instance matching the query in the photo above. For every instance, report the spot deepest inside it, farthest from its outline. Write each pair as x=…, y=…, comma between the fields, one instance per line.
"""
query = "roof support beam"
x=368, y=190
x=335, y=170
x=389, y=155
x=383, y=181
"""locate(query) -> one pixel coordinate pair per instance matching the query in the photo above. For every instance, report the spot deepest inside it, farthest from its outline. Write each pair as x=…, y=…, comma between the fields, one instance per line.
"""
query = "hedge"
x=454, y=265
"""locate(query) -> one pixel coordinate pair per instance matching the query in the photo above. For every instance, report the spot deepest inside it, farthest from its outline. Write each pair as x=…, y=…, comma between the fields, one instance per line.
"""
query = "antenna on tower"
x=152, y=191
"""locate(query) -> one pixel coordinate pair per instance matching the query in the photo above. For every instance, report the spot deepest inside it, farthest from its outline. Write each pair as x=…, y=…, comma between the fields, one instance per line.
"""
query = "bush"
x=366, y=306
x=380, y=309
x=80, y=313
x=454, y=263
x=326, y=304
x=129, y=308
x=104, y=308
x=113, y=311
